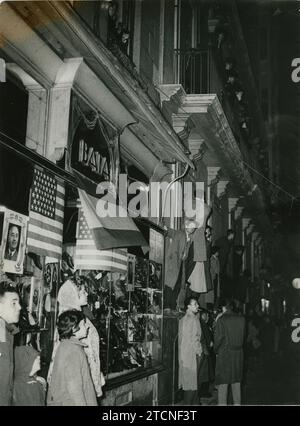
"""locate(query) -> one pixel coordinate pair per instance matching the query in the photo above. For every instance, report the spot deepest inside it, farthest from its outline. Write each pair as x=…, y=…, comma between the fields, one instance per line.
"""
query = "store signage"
x=93, y=144
x=89, y=157
x=90, y=154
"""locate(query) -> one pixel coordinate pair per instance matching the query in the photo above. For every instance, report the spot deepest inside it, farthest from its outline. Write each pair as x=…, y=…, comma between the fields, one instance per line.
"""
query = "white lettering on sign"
x=92, y=159
x=296, y=332
x=2, y=71
x=296, y=72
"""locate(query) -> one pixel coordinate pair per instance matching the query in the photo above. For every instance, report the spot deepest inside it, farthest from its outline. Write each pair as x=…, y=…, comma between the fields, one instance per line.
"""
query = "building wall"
x=168, y=58
x=139, y=393
x=150, y=24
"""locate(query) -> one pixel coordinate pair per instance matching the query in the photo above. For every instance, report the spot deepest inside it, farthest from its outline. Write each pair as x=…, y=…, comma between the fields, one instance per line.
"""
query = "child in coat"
x=29, y=388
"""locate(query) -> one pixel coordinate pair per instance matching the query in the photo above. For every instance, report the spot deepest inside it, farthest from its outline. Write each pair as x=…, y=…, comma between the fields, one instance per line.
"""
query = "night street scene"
x=150, y=205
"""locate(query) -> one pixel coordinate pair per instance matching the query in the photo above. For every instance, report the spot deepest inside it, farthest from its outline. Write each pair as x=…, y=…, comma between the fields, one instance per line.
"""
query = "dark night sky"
x=289, y=127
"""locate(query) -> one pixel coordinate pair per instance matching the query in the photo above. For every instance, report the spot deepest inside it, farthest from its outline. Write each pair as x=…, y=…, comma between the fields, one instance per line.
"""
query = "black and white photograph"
x=150, y=205
x=13, y=242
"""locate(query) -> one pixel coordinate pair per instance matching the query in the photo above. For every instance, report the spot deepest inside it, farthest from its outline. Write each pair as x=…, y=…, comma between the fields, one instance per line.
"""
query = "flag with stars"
x=46, y=215
x=88, y=257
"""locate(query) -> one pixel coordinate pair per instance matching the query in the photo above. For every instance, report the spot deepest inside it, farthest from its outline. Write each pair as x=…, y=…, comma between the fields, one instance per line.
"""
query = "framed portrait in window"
x=13, y=241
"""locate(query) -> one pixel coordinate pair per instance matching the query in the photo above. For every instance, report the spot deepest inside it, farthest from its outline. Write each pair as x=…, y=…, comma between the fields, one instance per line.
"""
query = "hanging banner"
x=13, y=241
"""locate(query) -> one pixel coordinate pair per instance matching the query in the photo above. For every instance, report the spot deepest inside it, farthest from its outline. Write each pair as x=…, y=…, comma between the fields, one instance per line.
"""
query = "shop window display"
x=127, y=310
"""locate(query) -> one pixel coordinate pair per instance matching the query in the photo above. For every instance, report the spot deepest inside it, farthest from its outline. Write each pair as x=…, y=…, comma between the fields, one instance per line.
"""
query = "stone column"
x=59, y=109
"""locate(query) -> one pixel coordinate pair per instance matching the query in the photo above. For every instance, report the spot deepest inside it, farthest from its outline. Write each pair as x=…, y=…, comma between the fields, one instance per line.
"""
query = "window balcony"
x=201, y=72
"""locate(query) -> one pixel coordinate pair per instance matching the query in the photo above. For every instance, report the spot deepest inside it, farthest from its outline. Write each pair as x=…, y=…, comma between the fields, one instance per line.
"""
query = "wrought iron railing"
x=200, y=72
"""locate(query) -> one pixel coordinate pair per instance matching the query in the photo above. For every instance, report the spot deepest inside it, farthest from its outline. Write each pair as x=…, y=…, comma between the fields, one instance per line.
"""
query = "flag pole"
x=108, y=328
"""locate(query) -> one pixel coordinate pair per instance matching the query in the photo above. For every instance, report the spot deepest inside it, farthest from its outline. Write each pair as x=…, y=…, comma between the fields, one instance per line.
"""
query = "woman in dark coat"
x=228, y=344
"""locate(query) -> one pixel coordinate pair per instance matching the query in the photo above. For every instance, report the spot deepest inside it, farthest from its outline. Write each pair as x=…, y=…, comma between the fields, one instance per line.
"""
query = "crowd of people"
x=217, y=350
x=74, y=377
x=211, y=352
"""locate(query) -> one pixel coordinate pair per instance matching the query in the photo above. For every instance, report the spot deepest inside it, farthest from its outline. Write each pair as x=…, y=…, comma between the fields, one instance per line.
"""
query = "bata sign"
x=92, y=159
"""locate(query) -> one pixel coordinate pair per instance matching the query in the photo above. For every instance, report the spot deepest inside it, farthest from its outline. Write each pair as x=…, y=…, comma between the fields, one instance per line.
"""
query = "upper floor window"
x=121, y=25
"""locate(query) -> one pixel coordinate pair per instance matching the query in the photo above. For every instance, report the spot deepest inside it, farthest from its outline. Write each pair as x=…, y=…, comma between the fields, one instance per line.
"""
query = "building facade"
x=159, y=91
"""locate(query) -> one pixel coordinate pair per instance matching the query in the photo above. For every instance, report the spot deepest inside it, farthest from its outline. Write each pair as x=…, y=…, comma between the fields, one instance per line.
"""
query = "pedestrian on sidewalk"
x=189, y=352
x=228, y=345
x=29, y=388
x=206, y=370
x=9, y=315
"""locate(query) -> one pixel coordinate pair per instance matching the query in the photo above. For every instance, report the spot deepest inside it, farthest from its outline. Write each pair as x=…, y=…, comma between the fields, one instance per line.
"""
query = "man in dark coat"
x=9, y=315
x=206, y=373
x=228, y=345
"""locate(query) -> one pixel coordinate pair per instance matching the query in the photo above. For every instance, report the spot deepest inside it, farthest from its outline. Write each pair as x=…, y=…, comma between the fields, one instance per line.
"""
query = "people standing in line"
x=228, y=345
x=9, y=315
x=71, y=383
x=29, y=388
x=189, y=351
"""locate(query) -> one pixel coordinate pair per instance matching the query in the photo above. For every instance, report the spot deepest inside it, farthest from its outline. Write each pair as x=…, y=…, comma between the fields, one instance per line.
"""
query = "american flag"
x=88, y=257
x=46, y=215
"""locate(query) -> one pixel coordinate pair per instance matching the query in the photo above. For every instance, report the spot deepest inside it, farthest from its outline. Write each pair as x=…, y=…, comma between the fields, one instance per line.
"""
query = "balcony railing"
x=200, y=72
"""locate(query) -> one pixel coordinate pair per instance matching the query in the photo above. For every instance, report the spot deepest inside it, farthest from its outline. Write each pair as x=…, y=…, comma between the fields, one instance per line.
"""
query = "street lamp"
x=296, y=283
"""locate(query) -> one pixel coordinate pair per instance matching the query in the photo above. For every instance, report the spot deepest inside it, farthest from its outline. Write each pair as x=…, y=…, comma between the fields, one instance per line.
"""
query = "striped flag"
x=46, y=215
x=109, y=232
x=87, y=257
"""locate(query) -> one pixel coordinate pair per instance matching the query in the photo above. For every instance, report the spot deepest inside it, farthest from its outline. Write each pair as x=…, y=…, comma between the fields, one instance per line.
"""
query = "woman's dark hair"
x=188, y=301
x=66, y=323
x=7, y=287
x=227, y=302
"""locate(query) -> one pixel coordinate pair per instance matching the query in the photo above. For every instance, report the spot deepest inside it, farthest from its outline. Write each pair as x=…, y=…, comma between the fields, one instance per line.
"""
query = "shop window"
x=15, y=181
x=128, y=13
x=13, y=109
x=128, y=307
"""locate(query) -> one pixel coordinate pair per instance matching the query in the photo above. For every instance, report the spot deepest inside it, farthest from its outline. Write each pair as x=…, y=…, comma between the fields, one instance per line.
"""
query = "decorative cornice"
x=250, y=228
x=221, y=187
x=245, y=222
x=212, y=174
x=182, y=125
x=174, y=93
x=196, y=145
x=232, y=202
x=238, y=212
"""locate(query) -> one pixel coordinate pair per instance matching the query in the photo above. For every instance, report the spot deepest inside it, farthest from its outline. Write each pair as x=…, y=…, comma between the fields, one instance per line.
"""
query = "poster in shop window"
x=13, y=241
